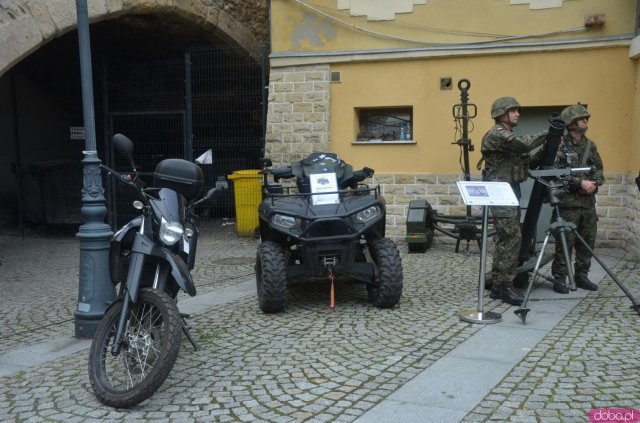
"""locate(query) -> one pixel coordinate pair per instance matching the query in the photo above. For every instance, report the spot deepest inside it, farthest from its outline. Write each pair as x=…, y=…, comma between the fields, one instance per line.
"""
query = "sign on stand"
x=484, y=194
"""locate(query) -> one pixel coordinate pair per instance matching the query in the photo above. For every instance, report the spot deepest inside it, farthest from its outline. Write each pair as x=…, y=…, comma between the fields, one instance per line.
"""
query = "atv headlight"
x=367, y=214
x=286, y=222
x=170, y=232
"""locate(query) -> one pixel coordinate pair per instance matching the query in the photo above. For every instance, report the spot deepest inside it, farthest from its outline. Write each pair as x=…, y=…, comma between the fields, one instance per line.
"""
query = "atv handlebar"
x=285, y=172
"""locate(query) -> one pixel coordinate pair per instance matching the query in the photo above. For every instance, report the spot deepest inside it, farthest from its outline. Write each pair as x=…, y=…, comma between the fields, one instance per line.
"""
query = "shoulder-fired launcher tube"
x=556, y=130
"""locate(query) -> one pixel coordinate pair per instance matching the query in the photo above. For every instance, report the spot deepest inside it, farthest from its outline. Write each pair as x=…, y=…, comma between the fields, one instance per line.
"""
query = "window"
x=388, y=124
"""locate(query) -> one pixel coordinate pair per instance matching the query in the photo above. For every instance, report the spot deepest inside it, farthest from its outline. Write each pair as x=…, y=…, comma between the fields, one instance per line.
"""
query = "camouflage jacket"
x=506, y=154
x=571, y=154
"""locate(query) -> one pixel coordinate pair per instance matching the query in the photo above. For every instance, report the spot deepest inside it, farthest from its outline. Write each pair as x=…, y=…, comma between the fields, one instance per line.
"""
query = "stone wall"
x=298, y=116
x=633, y=216
x=618, y=202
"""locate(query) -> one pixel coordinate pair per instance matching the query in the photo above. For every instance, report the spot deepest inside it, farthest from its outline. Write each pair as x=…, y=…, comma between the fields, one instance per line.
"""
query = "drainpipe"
x=96, y=291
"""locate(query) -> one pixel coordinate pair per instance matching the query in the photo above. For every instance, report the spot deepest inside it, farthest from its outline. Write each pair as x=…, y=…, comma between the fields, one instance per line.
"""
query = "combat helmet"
x=572, y=113
x=503, y=105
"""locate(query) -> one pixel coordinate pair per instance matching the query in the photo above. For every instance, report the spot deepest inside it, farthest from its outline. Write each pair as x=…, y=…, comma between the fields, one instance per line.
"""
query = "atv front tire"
x=386, y=290
x=271, y=278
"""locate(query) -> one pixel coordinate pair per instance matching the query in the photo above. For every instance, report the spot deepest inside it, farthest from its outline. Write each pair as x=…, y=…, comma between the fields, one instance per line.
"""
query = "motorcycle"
x=137, y=342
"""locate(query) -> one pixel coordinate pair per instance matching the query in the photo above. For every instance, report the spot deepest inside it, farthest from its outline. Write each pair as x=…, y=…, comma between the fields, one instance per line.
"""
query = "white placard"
x=487, y=193
x=324, y=182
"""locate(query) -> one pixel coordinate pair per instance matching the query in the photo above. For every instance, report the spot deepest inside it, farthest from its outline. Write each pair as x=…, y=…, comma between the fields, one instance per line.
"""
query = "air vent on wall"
x=335, y=76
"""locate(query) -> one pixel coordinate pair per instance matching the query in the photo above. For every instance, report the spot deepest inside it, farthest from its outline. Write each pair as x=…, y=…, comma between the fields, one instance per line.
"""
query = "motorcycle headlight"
x=170, y=232
x=367, y=214
x=286, y=222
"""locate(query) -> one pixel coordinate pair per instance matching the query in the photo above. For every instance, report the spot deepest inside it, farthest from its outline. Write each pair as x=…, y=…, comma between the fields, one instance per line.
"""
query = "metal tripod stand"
x=560, y=228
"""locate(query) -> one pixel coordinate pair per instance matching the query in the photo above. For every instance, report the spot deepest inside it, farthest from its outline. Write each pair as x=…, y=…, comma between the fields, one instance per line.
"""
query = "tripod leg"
x=636, y=305
x=523, y=310
x=567, y=258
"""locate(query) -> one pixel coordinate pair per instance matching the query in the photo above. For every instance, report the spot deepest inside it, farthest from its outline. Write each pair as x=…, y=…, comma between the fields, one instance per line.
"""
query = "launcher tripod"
x=559, y=229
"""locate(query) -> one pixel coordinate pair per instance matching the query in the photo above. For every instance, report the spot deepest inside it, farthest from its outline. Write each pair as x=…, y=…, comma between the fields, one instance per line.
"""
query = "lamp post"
x=95, y=290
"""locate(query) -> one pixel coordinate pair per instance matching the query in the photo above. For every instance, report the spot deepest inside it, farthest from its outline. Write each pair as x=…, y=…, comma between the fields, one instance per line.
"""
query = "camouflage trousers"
x=506, y=244
x=586, y=221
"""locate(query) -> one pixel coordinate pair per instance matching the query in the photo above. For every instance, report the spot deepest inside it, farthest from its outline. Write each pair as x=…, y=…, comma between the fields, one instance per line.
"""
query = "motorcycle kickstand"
x=186, y=328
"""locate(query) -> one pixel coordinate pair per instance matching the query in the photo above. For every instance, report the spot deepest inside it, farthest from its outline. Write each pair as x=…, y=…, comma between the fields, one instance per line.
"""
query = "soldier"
x=506, y=158
x=579, y=204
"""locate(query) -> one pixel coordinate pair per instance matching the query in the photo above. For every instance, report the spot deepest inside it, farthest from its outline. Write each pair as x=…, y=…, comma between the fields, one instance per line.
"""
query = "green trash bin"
x=247, y=187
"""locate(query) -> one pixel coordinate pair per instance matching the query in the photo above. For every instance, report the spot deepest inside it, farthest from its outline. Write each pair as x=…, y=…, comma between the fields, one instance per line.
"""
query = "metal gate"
x=212, y=98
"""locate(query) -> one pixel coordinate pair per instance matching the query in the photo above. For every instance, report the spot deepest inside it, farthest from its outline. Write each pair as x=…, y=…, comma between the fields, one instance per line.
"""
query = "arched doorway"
x=173, y=83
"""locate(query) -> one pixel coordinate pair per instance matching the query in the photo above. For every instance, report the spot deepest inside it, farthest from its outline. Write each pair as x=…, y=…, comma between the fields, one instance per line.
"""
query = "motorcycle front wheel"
x=150, y=348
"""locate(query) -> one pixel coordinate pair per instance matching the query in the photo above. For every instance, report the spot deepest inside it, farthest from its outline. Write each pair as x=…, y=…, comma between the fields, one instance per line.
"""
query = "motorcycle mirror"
x=124, y=146
x=211, y=193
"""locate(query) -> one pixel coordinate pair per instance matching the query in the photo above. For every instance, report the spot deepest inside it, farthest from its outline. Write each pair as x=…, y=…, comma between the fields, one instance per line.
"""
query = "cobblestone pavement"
x=312, y=363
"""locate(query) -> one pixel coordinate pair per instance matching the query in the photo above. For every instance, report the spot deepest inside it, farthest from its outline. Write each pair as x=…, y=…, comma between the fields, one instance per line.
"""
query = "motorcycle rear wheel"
x=152, y=341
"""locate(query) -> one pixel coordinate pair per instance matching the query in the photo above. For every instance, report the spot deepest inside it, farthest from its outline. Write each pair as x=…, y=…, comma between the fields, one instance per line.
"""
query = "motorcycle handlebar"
x=134, y=182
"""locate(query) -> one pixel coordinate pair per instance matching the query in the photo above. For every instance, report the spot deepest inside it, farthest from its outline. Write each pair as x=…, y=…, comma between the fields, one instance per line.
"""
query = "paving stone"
x=311, y=363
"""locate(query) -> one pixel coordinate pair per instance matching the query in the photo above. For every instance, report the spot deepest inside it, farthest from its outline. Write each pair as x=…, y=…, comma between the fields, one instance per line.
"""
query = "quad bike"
x=327, y=227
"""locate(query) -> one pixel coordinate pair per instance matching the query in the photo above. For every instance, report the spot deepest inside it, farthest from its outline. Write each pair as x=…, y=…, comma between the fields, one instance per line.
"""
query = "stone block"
x=314, y=117
x=283, y=87
x=419, y=190
x=437, y=189
x=429, y=179
x=303, y=107
x=445, y=179
x=449, y=200
x=281, y=108
x=314, y=96
x=384, y=178
x=393, y=189
x=316, y=76
x=405, y=179
x=294, y=98
x=302, y=87
x=294, y=117
x=294, y=77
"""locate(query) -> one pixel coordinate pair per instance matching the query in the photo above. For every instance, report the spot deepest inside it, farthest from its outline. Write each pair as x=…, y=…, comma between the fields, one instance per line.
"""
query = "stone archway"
x=26, y=26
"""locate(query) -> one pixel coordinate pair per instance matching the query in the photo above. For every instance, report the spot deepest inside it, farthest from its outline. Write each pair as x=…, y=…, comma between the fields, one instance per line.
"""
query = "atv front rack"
x=286, y=192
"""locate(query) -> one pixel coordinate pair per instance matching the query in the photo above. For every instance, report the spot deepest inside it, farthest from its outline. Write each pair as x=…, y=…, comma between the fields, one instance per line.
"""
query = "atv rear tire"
x=271, y=278
x=386, y=291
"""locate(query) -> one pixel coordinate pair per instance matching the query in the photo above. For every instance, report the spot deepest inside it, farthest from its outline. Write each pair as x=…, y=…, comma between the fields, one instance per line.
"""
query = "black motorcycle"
x=137, y=342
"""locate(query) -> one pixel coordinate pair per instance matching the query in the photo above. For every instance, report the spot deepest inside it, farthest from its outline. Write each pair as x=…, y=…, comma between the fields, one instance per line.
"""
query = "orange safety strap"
x=332, y=302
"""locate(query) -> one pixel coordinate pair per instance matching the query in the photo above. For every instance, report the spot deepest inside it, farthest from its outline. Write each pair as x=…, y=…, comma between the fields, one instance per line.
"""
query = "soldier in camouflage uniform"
x=506, y=158
x=579, y=204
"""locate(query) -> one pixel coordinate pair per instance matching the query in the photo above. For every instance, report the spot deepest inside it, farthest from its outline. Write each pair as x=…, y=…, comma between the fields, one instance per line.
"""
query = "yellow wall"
x=295, y=27
x=603, y=79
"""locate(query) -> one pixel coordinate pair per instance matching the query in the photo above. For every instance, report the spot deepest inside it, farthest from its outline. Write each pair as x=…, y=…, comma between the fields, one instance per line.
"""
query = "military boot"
x=560, y=285
x=584, y=283
x=495, y=292
x=511, y=295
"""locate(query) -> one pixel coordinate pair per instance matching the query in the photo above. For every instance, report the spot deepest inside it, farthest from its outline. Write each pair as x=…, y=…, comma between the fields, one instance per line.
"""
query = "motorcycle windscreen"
x=169, y=205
